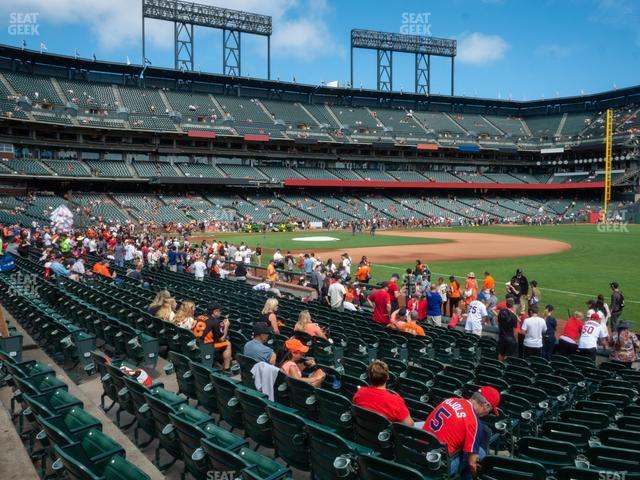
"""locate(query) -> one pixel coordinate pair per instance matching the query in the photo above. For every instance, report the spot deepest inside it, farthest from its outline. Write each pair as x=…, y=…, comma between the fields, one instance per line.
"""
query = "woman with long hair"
x=304, y=324
x=269, y=314
x=625, y=345
x=289, y=360
x=166, y=311
x=185, y=315
x=157, y=302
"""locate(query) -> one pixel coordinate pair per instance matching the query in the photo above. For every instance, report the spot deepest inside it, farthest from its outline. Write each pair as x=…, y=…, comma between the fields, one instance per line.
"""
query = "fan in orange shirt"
x=489, y=283
x=364, y=272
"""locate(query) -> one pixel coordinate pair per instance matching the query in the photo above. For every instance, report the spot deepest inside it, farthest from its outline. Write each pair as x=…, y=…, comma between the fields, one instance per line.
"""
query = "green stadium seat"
x=334, y=412
x=181, y=364
x=376, y=468
x=325, y=447
x=88, y=458
x=205, y=393
x=246, y=364
x=578, y=435
x=373, y=431
x=228, y=404
x=618, y=438
x=552, y=454
x=595, y=421
x=256, y=422
x=494, y=467
x=414, y=447
x=142, y=412
x=250, y=463
x=628, y=423
x=289, y=437
x=303, y=398
x=161, y=404
x=614, y=459
x=69, y=427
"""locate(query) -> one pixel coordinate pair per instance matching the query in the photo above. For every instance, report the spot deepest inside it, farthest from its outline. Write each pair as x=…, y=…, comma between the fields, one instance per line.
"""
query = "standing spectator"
x=173, y=259
x=442, y=291
x=549, y=337
x=617, y=304
x=625, y=345
x=380, y=301
x=592, y=333
x=522, y=284
x=507, y=329
x=455, y=422
x=533, y=327
x=199, y=269
x=272, y=274
x=488, y=283
x=454, y=294
x=418, y=304
x=118, y=254
x=568, y=341
x=476, y=316
x=377, y=398
x=492, y=302
x=434, y=306
x=394, y=291
x=470, y=288
x=534, y=297
x=336, y=294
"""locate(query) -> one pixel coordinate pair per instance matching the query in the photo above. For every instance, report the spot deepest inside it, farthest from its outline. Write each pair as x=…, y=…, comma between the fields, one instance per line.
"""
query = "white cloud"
x=478, y=48
x=300, y=27
x=553, y=51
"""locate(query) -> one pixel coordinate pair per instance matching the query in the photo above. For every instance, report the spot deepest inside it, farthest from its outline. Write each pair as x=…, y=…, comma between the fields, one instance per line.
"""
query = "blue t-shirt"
x=257, y=350
x=173, y=256
x=435, y=300
x=552, y=323
x=308, y=265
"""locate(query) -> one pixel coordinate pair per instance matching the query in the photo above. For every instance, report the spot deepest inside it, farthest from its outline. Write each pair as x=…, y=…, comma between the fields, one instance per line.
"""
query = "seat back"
x=550, y=453
x=372, y=430
x=119, y=469
x=289, y=437
x=614, y=459
x=494, y=467
x=334, y=411
x=303, y=397
x=228, y=405
x=576, y=434
x=411, y=446
x=257, y=424
x=324, y=448
x=376, y=468
x=204, y=390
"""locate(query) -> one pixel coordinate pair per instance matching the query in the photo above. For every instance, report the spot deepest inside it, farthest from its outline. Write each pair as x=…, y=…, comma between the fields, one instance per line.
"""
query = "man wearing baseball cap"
x=456, y=423
x=257, y=348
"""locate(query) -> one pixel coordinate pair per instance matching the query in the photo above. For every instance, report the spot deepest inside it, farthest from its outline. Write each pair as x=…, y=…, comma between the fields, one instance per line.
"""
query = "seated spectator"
x=406, y=322
x=58, y=269
x=625, y=345
x=184, y=315
x=290, y=361
x=136, y=273
x=214, y=330
x=418, y=303
x=77, y=270
x=263, y=286
x=166, y=311
x=304, y=324
x=240, y=272
x=102, y=268
x=568, y=341
x=157, y=302
x=378, y=399
x=269, y=314
x=257, y=348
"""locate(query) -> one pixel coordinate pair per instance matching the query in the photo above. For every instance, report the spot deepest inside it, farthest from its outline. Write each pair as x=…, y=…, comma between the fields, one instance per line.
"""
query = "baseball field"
x=571, y=263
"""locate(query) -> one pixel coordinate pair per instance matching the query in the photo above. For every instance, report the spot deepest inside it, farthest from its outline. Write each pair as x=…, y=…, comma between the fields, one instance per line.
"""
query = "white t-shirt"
x=477, y=310
x=346, y=263
x=533, y=327
x=199, y=269
x=592, y=330
x=336, y=294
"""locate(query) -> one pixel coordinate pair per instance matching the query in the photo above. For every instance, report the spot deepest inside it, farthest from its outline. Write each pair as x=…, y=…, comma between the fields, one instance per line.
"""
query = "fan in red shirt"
x=380, y=400
x=455, y=422
x=394, y=291
x=568, y=341
x=418, y=304
x=380, y=301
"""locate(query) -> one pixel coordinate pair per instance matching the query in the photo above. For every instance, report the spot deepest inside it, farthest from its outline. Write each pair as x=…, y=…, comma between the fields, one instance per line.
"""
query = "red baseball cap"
x=492, y=396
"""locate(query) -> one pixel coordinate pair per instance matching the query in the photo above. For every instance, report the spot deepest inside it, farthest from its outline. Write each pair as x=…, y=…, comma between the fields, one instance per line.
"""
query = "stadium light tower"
x=185, y=15
x=421, y=46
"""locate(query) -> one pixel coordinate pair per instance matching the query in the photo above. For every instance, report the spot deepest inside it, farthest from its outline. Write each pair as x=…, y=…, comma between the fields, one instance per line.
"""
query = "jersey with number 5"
x=455, y=424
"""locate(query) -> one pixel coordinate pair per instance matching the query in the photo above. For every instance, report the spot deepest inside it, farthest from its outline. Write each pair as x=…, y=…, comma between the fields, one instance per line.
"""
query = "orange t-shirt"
x=272, y=275
x=101, y=269
x=411, y=327
x=489, y=283
x=363, y=272
x=455, y=290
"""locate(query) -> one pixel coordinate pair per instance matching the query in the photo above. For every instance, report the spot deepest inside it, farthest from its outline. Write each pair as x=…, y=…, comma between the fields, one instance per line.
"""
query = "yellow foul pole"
x=608, y=163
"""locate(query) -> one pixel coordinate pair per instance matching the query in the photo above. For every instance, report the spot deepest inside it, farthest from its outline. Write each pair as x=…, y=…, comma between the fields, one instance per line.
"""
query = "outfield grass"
x=567, y=279
x=284, y=240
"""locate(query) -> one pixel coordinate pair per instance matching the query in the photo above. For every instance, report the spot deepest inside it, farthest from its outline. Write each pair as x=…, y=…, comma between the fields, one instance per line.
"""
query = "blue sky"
x=506, y=48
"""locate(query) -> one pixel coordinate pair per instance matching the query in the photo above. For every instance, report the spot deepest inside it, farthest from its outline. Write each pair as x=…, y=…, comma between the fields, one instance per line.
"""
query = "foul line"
x=391, y=267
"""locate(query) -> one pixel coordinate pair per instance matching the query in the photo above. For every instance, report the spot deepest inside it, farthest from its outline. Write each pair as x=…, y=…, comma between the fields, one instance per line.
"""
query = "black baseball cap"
x=261, y=328
x=614, y=284
x=549, y=308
